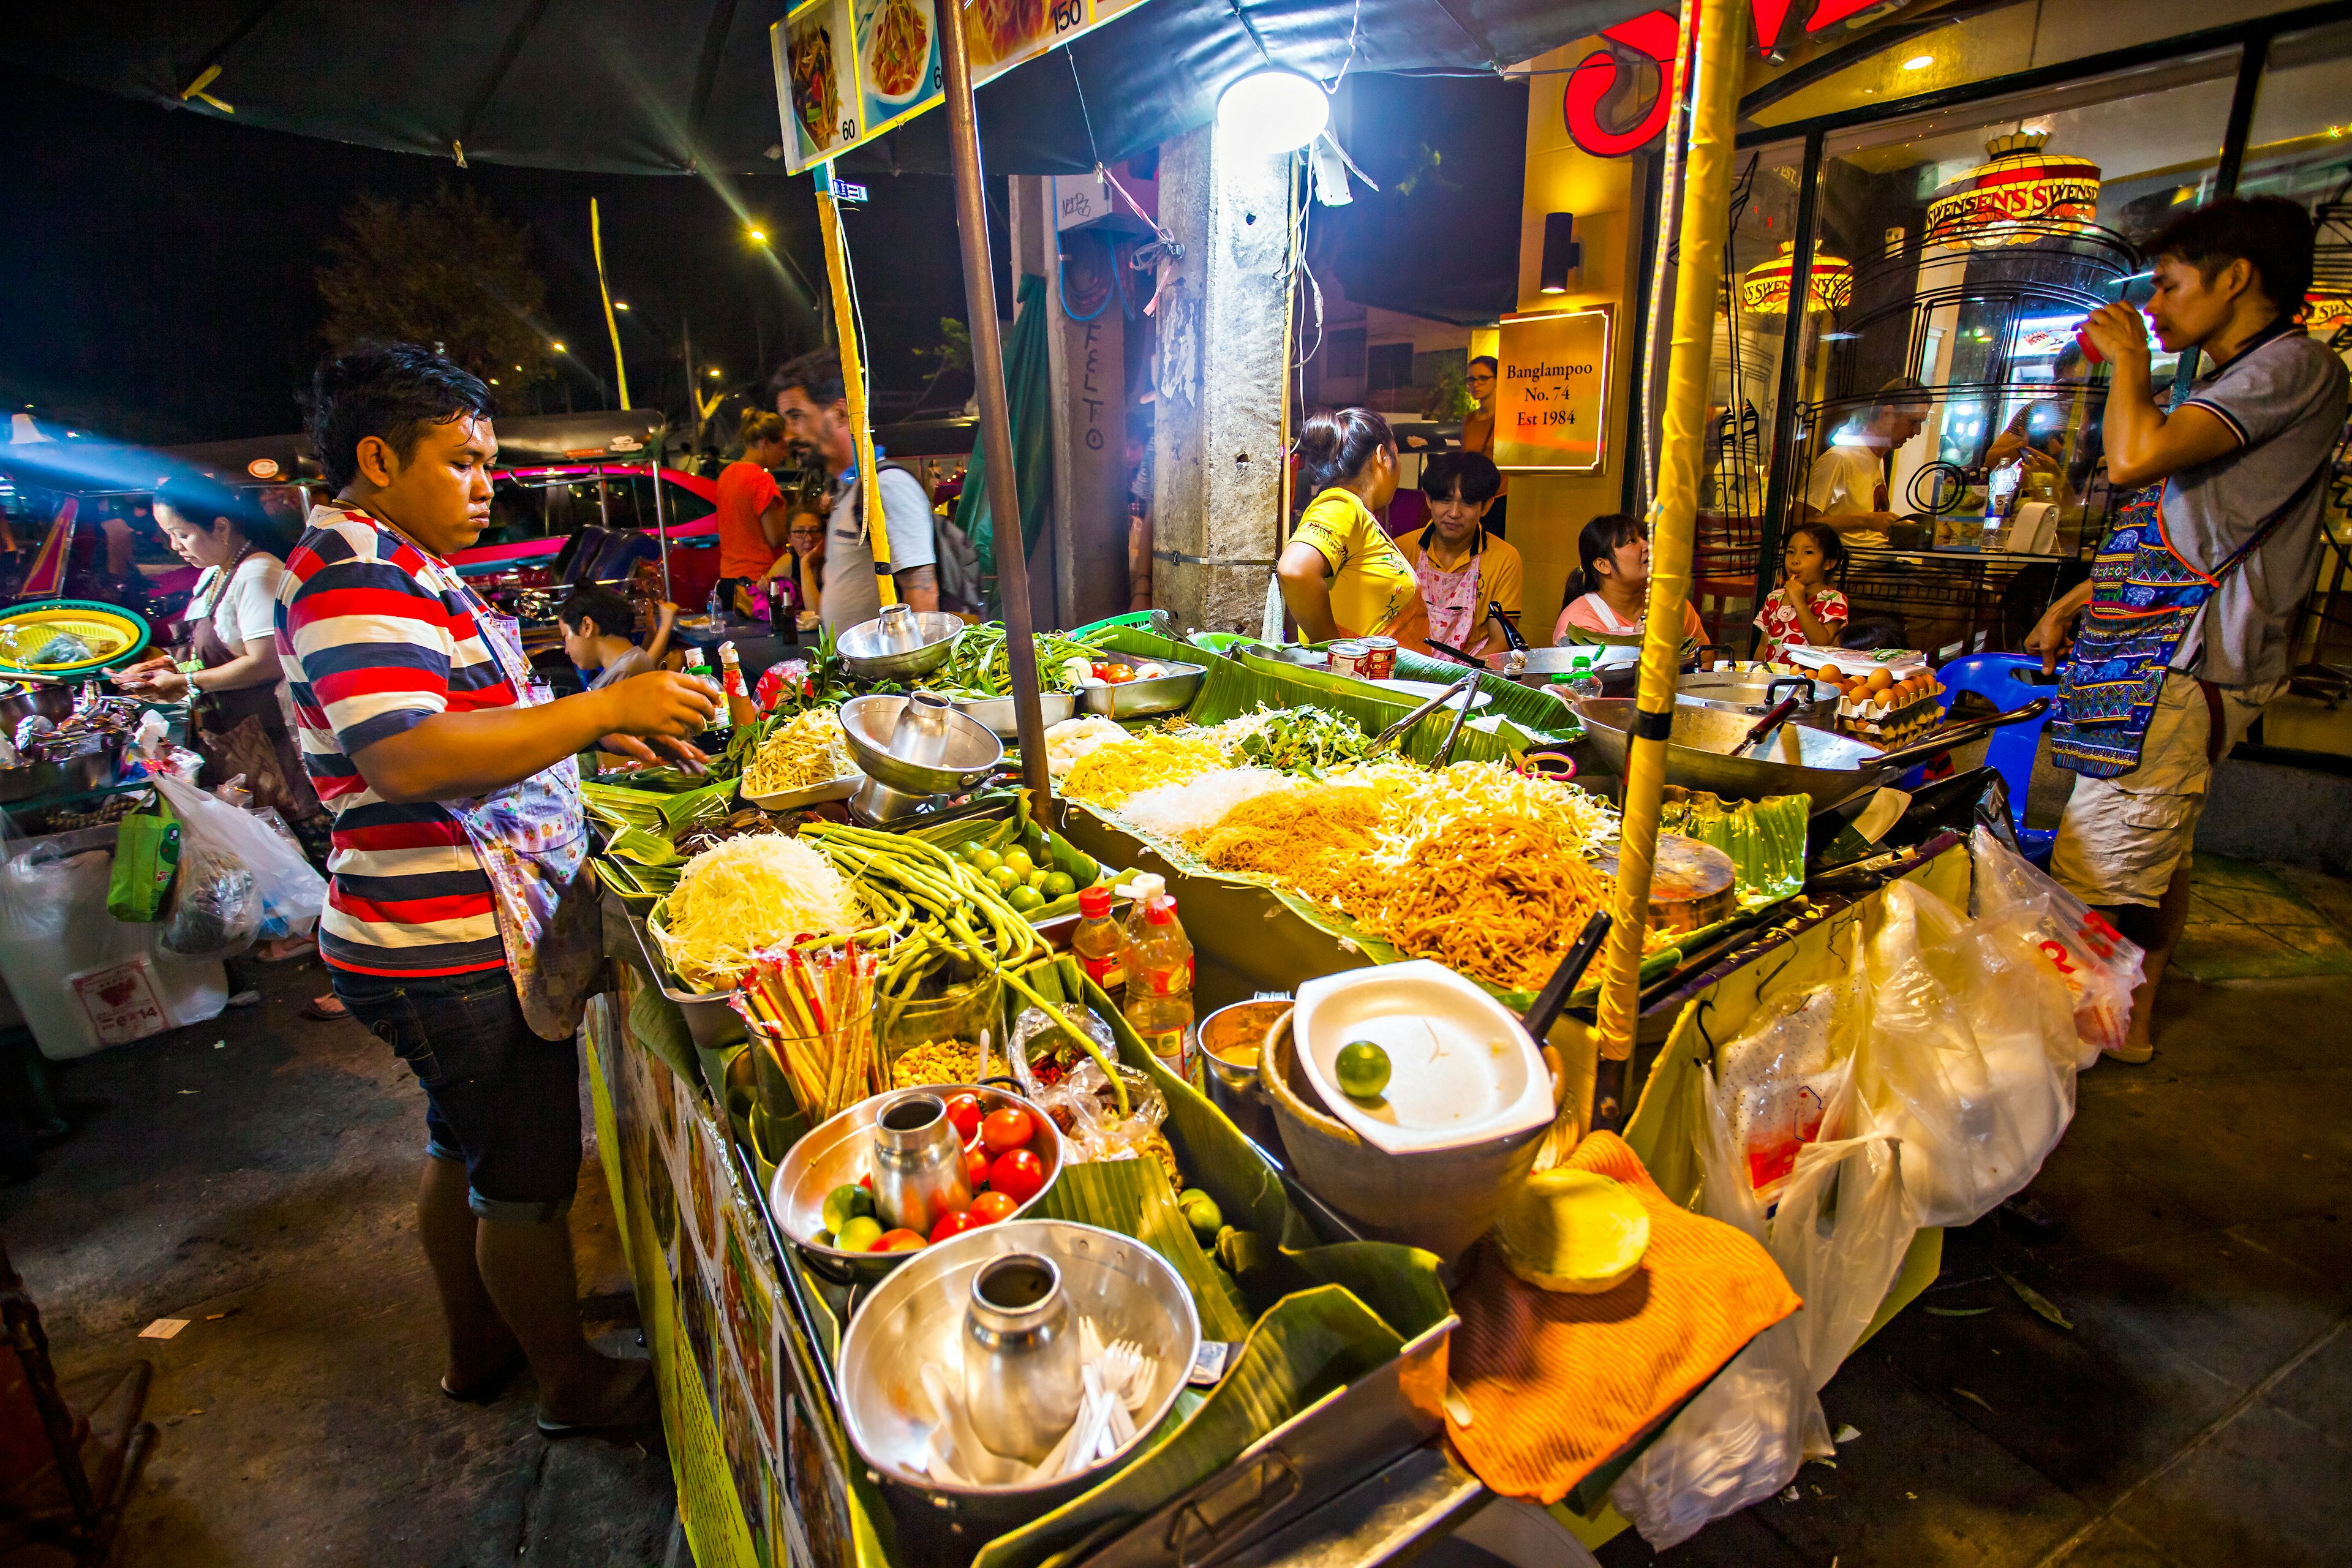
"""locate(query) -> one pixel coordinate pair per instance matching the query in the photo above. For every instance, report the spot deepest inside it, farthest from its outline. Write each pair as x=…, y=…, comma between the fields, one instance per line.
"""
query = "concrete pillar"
x=1217, y=459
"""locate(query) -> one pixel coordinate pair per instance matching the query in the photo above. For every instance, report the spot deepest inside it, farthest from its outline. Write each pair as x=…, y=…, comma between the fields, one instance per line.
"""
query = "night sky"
x=159, y=266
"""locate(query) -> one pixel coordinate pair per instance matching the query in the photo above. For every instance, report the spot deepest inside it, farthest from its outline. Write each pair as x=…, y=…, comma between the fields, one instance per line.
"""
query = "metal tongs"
x=1462, y=687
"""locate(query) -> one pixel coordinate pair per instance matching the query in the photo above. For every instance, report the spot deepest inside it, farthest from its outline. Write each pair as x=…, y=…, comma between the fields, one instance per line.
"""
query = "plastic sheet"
x=238, y=879
x=1081, y=1102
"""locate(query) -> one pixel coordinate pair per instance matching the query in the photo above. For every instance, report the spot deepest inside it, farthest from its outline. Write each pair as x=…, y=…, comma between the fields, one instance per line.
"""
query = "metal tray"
x=1170, y=693
x=807, y=795
x=996, y=712
x=709, y=1020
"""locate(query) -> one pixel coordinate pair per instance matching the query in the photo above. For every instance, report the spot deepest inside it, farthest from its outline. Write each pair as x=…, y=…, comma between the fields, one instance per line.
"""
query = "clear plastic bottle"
x=1159, y=1005
x=699, y=667
x=1581, y=679
x=1099, y=942
x=736, y=708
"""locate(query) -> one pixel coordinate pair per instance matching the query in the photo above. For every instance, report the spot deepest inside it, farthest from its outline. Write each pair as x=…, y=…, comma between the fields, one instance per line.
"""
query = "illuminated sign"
x=1552, y=400
x=2022, y=195
x=1653, y=37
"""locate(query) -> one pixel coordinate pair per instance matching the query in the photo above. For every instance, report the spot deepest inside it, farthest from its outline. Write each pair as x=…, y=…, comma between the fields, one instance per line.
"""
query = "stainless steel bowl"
x=996, y=712
x=1746, y=691
x=1170, y=693
x=970, y=757
x=840, y=1151
x=899, y=644
x=91, y=766
x=916, y=1318
x=25, y=699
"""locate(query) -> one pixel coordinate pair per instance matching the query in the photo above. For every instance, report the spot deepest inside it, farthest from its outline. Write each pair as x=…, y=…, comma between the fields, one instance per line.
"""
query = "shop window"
x=1387, y=367
x=1751, y=318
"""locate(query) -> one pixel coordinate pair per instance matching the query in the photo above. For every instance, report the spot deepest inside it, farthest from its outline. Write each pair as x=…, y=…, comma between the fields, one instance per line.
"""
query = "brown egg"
x=1879, y=681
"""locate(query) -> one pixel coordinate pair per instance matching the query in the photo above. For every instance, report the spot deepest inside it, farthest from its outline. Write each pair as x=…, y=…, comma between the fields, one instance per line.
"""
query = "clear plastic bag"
x=1783, y=1081
x=2100, y=968
x=238, y=880
x=1081, y=1102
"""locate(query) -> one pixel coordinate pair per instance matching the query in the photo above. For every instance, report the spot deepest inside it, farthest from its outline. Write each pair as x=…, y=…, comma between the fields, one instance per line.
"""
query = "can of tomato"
x=1347, y=657
x=1380, y=658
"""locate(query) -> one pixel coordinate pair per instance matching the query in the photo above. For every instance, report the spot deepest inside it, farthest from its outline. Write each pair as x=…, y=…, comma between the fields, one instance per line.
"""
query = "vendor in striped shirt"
x=404, y=702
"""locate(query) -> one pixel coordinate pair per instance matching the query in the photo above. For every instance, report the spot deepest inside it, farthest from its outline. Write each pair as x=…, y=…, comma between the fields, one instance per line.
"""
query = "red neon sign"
x=1653, y=35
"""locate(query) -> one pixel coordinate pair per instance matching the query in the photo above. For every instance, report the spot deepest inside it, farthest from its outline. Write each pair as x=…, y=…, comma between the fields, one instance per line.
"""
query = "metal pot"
x=1169, y=693
x=91, y=766
x=1754, y=693
x=996, y=712
x=899, y=644
x=47, y=699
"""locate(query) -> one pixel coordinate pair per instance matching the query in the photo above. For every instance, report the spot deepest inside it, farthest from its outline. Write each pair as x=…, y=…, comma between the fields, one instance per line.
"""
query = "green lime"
x=1363, y=1070
x=1019, y=863
x=983, y=860
x=1058, y=885
x=1005, y=878
x=859, y=1234
x=845, y=1203
x=1201, y=1212
x=1026, y=898
x=1037, y=879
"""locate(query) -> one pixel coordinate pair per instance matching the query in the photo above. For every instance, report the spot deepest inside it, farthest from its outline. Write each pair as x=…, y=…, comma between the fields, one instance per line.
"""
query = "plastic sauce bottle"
x=1582, y=680
x=737, y=708
x=720, y=721
x=1099, y=942
x=1158, y=1004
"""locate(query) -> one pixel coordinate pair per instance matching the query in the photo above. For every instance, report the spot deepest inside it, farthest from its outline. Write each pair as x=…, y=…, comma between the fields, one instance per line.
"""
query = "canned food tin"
x=1380, y=658
x=1347, y=657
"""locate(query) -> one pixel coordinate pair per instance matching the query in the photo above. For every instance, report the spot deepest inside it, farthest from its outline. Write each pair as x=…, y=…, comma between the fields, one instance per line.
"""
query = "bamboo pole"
x=852, y=382
x=1705, y=209
x=995, y=418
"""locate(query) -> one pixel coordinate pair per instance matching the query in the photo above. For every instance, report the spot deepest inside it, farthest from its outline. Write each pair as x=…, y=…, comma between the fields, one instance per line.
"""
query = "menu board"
x=849, y=70
x=1551, y=400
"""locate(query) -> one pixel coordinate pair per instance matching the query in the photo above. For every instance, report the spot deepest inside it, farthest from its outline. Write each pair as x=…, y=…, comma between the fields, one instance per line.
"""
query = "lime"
x=845, y=1203
x=1363, y=1069
x=1025, y=897
x=983, y=860
x=1201, y=1212
x=1037, y=879
x=1058, y=885
x=859, y=1234
x=1018, y=862
x=1005, y=878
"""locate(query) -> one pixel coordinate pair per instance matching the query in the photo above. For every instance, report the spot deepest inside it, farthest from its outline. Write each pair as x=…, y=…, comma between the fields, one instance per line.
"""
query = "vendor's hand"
x=666, y=708
x=2049, y=639
x=2037, y=461
x=168, y=684
x=2120, y=335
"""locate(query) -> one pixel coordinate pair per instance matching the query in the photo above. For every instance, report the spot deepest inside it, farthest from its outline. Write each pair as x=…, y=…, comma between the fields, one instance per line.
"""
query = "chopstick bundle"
x=813, y=1011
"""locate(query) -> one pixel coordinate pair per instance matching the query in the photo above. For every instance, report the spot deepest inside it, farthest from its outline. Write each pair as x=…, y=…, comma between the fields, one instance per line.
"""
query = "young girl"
x=1804, y=611
x=1611, y=595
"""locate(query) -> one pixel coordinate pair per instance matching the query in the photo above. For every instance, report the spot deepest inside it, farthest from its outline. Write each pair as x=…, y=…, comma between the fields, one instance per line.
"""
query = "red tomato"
x=955, y=1225
x=1019, y=1175
x=989, y=1207
x=865, y=1182
x=975, y=1166
x=1006, y=1129
x=964, y=1110
x=897, y=1241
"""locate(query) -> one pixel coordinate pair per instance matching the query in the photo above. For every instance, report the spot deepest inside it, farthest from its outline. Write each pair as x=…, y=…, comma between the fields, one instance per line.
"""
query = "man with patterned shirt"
x=407, y=705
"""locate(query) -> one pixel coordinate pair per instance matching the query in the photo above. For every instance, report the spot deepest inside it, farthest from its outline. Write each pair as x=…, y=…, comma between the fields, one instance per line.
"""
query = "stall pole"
x=852, y=384
x=661, y=523
x=1705, y=207
x=995, y=420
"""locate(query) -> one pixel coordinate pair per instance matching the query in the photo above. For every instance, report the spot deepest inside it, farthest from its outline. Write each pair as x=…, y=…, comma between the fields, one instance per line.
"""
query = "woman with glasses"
x=1478, y=430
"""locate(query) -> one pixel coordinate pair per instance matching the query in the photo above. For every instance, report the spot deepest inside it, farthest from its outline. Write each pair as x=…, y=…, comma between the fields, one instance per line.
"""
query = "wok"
x=1794, y=759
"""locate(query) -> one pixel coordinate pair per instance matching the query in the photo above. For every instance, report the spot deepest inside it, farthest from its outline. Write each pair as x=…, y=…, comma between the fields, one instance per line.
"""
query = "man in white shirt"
x=1847, y=487
x=815, y=409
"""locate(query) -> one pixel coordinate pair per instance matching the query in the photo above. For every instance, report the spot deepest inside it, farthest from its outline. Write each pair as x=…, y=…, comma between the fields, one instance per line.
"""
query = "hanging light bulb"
x=2024, y=194
x=1764, y=288
x=1272, y=111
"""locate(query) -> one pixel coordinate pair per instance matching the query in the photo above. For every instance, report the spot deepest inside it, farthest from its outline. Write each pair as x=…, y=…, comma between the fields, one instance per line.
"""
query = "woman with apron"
x=1466, y=572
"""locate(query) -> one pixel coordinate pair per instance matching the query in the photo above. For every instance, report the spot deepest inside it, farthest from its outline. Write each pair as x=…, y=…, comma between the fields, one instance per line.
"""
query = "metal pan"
x=1796, y=760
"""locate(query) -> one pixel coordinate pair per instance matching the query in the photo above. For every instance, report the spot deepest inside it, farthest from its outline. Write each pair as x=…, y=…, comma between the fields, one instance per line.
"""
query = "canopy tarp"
x=624, y=87
x=1026, y=394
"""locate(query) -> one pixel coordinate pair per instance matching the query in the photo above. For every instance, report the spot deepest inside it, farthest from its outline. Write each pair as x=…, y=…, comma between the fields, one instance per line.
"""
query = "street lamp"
x=620, y=304
x=559, y=347
x=1274, y=111
x=758, y=236
x=714, y=373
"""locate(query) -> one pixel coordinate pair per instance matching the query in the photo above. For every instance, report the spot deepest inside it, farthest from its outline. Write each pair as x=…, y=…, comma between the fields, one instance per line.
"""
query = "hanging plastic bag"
x=238, y=880
x=2100, y=967
x=1780, y=1078
x=1844, y=1223
x=146, y=859
x=1081, y=1102
x=1975, y=1123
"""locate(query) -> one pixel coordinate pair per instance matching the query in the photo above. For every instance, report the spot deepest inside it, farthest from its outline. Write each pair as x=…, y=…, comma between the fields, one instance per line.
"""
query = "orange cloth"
x=1557, y=1383
x=745, y=490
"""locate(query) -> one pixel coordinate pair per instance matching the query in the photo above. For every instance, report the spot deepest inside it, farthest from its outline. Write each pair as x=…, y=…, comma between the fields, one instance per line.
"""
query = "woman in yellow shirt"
x=1341, y=575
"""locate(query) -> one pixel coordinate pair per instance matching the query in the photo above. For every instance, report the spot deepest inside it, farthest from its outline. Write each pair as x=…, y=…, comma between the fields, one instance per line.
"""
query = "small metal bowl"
x=838, y=1152
x=1234, y=1088
x=1169, y=693
x=916, y=1318
x=996, y=712
x=871, y=654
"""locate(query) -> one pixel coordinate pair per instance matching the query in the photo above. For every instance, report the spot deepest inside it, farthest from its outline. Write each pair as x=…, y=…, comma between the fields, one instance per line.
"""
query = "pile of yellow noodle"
x=1318, y=840
x=1109, y=775
x=1498, y=899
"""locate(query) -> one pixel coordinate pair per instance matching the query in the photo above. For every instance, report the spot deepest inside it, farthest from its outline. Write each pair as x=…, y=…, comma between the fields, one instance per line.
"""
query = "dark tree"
x=446, y=270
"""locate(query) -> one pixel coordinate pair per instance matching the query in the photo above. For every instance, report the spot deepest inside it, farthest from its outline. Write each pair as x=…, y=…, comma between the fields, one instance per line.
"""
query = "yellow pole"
x=1706, y=208
x=853, y=381
x=596, y=245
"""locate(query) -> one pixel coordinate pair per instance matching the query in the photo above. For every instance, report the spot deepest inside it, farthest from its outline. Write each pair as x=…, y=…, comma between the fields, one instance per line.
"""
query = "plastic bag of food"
x=2100, y=967
x=1957, y=1060
x=238, y=880
x=1783, y=1083
x=1080, y=1099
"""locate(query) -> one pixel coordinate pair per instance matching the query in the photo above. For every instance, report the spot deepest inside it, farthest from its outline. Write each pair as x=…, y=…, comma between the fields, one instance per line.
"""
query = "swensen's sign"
x=1594, y=102
x=1552, y=408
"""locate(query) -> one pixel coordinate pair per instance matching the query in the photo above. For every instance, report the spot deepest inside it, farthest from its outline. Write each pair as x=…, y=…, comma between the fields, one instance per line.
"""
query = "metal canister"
x=1347, y=657
x=1380, y=658
x=918, y=1164
x=1021, y=1384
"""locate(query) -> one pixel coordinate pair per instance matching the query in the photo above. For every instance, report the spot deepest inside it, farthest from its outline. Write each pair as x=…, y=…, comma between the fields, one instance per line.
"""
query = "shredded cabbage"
x=749, y=893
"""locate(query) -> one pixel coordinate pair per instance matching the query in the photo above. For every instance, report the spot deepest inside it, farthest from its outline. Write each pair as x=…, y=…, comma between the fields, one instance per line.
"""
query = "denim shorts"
x=496, y=1097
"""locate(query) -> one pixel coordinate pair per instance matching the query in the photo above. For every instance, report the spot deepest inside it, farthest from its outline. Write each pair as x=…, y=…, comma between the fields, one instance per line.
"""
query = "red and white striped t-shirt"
x=377, y=636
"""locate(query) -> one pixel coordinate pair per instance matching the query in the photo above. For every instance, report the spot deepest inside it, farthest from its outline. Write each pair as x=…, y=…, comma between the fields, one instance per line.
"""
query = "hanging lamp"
x=2024, y=194
x=2327, y=309
x=1764, y=288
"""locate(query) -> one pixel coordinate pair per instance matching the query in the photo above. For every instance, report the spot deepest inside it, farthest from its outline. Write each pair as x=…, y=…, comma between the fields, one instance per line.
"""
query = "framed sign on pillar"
x=1551, y=405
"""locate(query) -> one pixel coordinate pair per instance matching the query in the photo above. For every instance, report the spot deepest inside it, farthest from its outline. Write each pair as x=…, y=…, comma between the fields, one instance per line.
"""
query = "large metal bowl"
x=25, y=699
x=839, y=1150
x=1169, y=693
x=874, y=650
x=91, y=766
x=972, y=750
x=996, y=712
x=916, y=1318
x=1747, y=690
x=1794, y=759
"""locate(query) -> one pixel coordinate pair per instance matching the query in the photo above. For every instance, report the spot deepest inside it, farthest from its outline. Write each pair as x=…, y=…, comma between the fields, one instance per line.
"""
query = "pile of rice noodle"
x=1417, y=802
x=1071, y=739
x=1109, y=775
x=1498, y=899
x=1183, y=812
x=1316, y=840
x=808, y=749
x=749, y=893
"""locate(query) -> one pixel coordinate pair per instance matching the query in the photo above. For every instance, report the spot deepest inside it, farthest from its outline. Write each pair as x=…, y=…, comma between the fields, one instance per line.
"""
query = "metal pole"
x=661, y=527
x=1704, y=212
x=1778, y=488
x=995, y=420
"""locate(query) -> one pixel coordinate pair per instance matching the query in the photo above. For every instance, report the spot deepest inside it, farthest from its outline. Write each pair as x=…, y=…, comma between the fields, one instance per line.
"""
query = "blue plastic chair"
x=1994, y=677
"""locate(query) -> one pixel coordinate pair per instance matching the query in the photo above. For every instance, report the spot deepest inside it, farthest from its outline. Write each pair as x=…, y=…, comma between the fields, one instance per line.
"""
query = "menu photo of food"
x=899, y=65
x=815, y=73
x=1003, y=33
